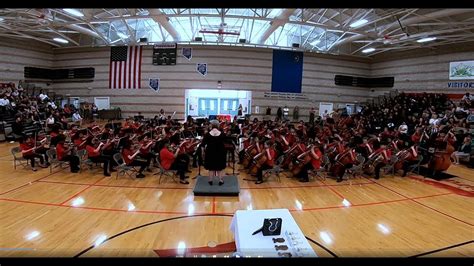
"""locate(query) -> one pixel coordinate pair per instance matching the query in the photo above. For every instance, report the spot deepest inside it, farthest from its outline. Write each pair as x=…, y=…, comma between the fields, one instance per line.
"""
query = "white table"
x=244, y=223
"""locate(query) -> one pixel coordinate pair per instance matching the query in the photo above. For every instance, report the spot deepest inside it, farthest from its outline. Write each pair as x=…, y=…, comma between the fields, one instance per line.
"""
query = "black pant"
x=407, y=165
x=32, y=157
x=141, y=163
x=73, y=162
x=377, y=169
x=303, y=174
x=181, y=166
x=102, y=159
x=42, y=151
x=260, y=171
x=148, y=157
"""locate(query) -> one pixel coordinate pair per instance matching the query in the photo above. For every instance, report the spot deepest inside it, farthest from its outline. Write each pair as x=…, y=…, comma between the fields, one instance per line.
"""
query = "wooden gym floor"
x=65, y=214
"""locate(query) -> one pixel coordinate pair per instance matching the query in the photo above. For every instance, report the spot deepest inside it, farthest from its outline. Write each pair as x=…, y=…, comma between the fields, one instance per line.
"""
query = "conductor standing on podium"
x=215, y=153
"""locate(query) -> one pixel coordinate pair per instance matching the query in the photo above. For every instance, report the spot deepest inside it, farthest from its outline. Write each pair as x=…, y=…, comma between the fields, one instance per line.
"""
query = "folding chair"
x=167, y=173
x=390, y=167
x=22, y=161
x=53, y=159
x=122, y=167
x=416, y=167
x=84, y=159
x=356, y=169
x=275, y=170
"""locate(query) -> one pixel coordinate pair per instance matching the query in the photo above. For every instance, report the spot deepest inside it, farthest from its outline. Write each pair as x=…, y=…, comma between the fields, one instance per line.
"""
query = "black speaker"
x=143, y=39
x=296, y=45
x=242, y=40
x=198, y=39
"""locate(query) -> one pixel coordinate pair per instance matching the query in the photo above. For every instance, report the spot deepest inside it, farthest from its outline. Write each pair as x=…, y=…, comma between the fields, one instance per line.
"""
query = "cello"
x=441, y=158
x=305, y=158
x=341, y=161
x=404, y=155
x=257, y=162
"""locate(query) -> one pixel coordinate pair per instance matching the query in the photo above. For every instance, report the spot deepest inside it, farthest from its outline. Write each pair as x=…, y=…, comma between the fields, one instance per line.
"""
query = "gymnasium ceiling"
x=318, y=30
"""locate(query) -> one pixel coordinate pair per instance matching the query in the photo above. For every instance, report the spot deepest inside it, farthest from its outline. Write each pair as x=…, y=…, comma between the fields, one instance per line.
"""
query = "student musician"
x=79, y=140
x=29, y=152
x=93, y=148
x=170, y=160
x=314, y=163
x=130, y=158
x=145, y=150
x=65, y=153
x=408, y=163
x=271, y=154
x=384, y=158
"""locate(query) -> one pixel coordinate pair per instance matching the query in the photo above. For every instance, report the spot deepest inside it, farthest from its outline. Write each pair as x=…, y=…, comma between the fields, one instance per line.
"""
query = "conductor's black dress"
x=215, y=153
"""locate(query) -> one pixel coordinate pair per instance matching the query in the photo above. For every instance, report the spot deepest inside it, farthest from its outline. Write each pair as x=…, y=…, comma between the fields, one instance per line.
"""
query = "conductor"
x=215, y=153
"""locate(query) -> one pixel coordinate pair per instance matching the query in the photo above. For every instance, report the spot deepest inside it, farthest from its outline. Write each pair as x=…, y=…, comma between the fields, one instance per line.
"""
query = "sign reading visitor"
x=461, y=70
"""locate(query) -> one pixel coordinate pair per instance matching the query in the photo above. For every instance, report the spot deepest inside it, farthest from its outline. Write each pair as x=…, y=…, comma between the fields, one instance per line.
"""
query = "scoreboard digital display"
x=165, y=54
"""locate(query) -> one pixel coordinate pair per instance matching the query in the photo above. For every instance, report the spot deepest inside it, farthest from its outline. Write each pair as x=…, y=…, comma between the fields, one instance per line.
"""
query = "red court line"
x=29, y=183
x=335, y=192
x=213, y=204
x=78, y=193
x=107, y=209
x=438, y=211
x=174, y=212
x=119, y=186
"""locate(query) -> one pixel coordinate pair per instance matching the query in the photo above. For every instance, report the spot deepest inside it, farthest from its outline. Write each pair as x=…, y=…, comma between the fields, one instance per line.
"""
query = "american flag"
x=125, y=67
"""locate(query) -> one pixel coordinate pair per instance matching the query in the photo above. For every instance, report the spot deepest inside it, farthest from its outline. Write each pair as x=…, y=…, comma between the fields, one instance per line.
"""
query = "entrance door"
x=229, y=107
x=207, y=106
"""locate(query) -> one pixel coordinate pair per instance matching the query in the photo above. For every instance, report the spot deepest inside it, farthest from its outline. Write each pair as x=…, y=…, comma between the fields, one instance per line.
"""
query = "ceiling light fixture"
x=368, y=50
x=73, y=12
x=358, y=23
x=428, y=39
x=61, y=40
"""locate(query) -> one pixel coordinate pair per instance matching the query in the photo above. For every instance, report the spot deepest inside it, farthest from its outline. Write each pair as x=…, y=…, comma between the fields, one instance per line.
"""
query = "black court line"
x=148, y=224
x=442, y=249
x=323, y=247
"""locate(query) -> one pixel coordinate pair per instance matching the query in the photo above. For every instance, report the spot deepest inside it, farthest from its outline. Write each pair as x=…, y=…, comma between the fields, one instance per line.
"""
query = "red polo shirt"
x=166, y=158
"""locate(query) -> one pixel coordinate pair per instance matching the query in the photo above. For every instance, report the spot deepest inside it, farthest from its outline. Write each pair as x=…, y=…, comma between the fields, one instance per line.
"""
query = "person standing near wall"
x=286, y=112
x=279, y=114
x=240, y=110
x=296, y=114
x=312, y=113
